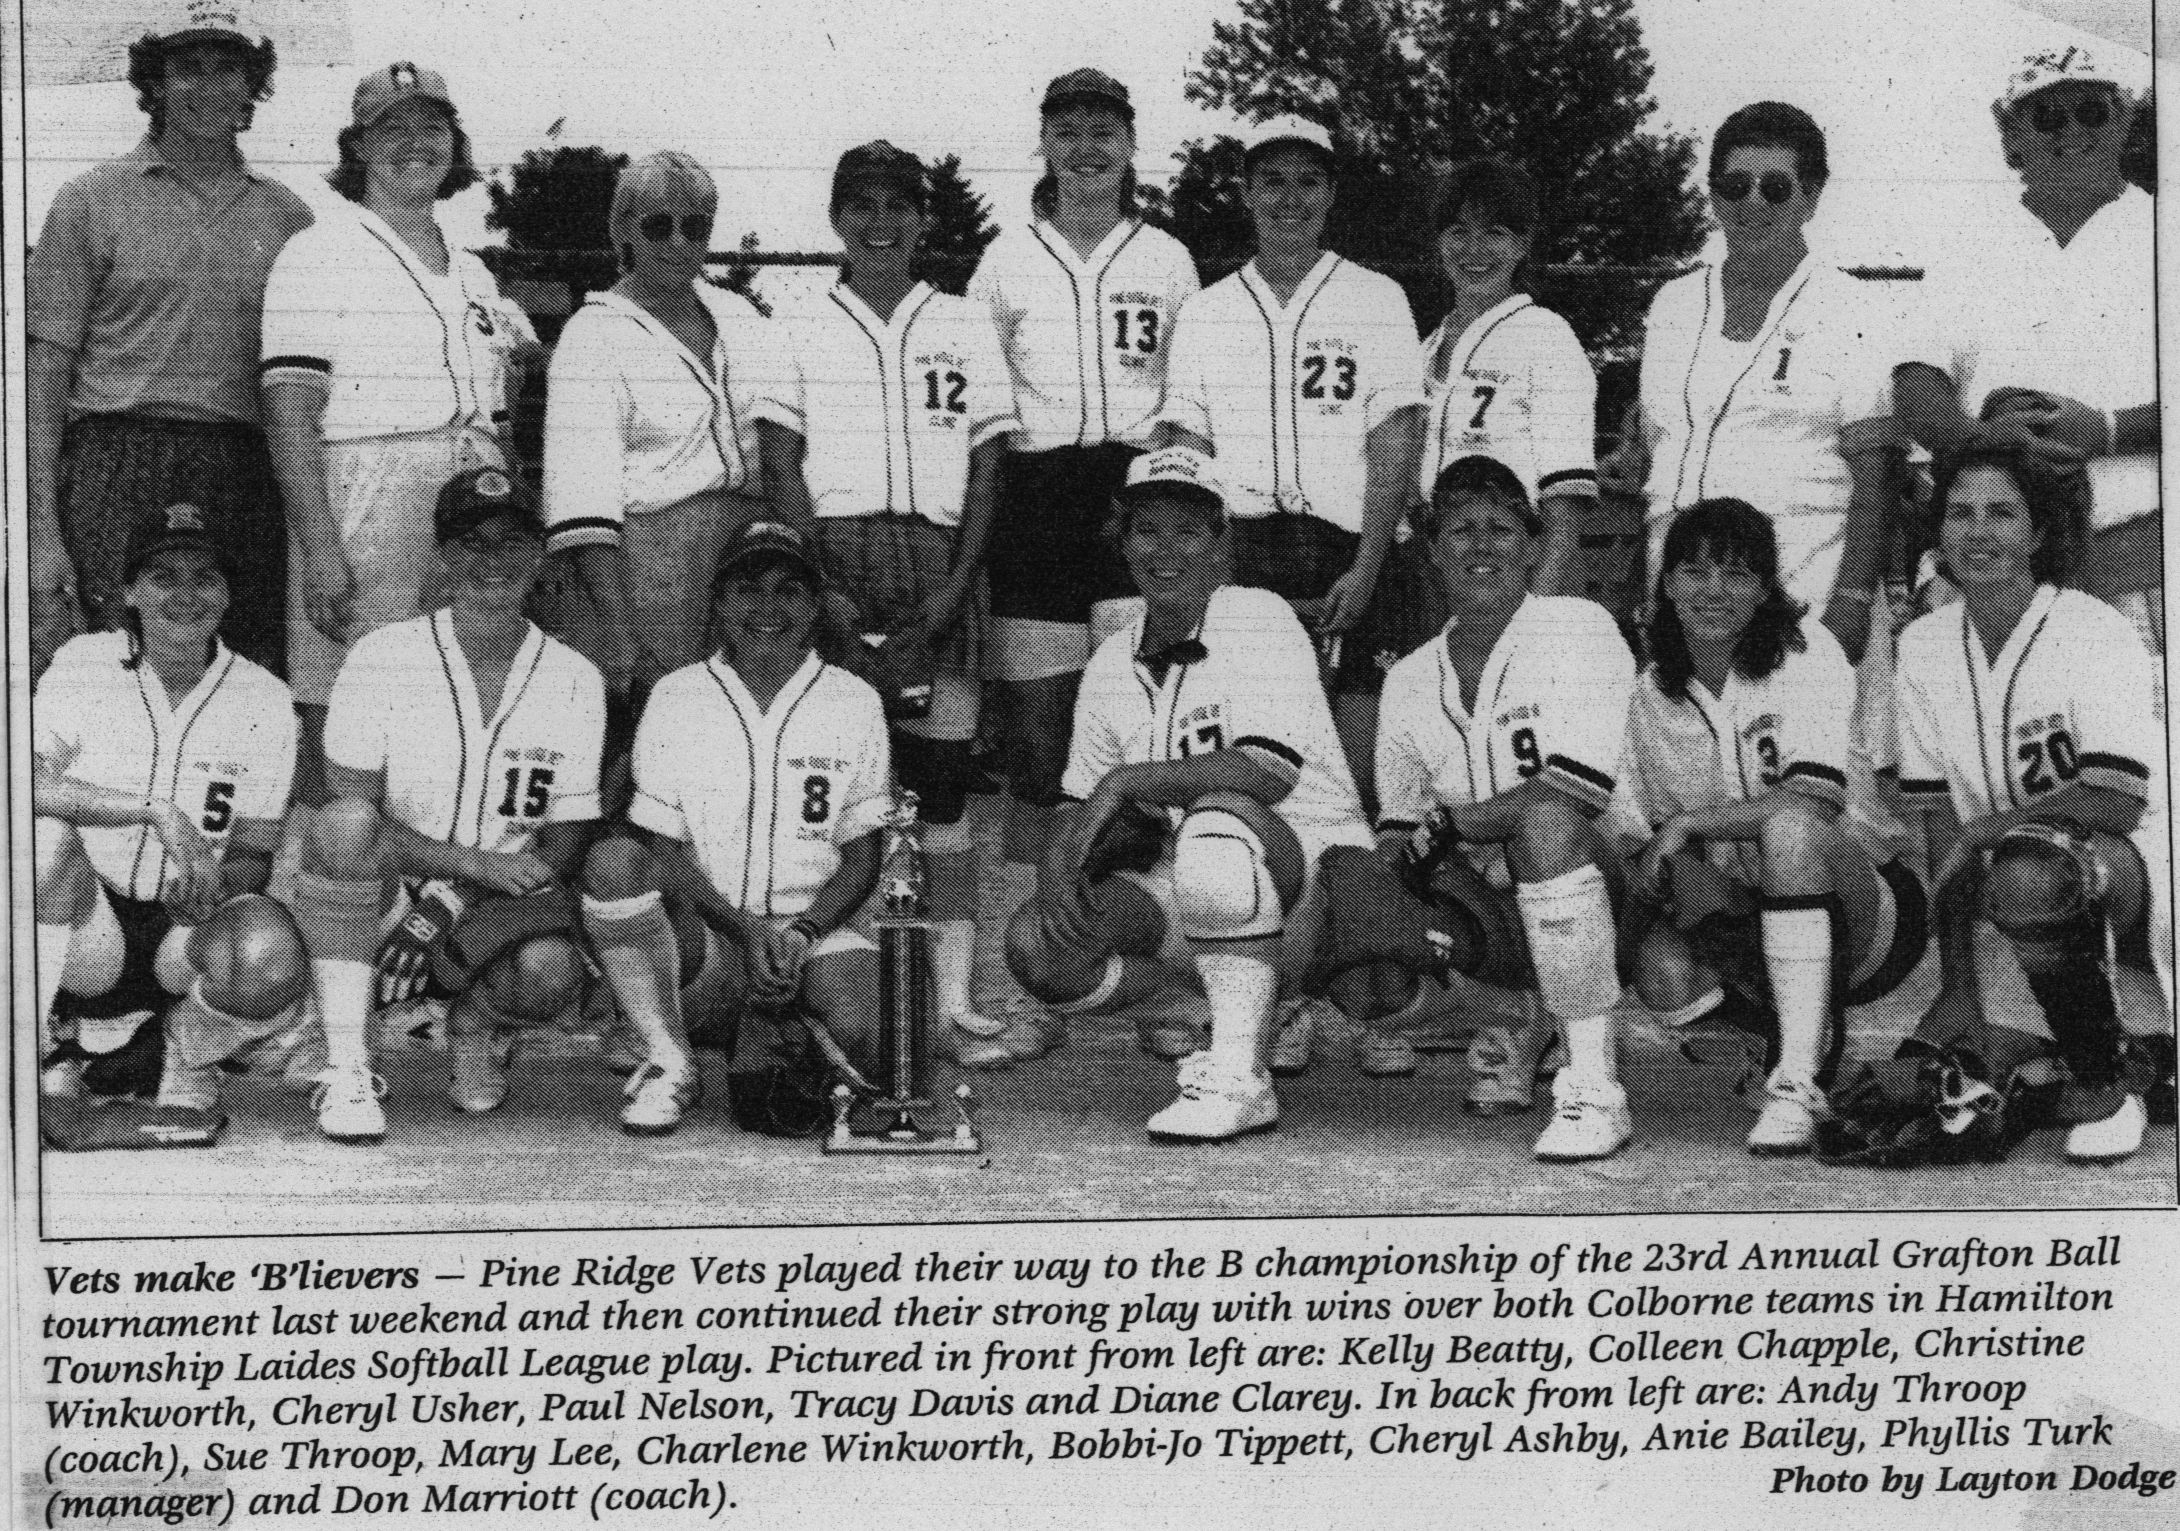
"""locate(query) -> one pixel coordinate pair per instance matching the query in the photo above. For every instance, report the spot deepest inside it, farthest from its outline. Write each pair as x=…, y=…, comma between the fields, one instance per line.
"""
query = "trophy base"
x=898, y=1131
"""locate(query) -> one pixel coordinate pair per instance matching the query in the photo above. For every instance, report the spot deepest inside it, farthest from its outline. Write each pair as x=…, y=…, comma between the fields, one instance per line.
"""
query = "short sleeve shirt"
x=1287, y=394
x=1513, y=385
x=224, y=754
x=1256, y=690
x=764, y=796
x=635, y=423
x=890, y=409
x=405, y=706
x=398, y=348
x=1086, y=340
x=1551, y=702
x=158, y=292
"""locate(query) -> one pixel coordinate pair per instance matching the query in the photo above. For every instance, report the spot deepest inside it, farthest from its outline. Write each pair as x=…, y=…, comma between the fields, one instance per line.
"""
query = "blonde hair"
x=661, y=177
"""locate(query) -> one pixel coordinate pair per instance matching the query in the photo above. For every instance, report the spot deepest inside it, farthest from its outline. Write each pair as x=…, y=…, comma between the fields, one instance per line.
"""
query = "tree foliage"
x=559, y=200
x=960, y=228
x=1410, y=87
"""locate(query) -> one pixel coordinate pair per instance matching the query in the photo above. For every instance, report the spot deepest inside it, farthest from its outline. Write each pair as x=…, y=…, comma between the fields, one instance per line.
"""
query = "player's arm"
x=849, y=885
x=977, y=505
x=195, y=879
x=247, y=865
x=1873, y=467
x=1928, y=408
x=1391, y=452
x=781, y=450
x=681, y=876
x=294, y=411
x=405, y=853
x=50, y=374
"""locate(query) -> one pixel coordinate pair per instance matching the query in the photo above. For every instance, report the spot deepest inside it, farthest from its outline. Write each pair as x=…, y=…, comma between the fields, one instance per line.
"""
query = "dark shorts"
x=1300, y=557
x=144, y=925
x=889, y=565
x=114, y=466
x=1050, y=559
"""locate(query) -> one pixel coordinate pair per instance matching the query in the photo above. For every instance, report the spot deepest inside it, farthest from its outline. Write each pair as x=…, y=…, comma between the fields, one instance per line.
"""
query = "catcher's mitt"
x=493, y=925
x=1132, y=840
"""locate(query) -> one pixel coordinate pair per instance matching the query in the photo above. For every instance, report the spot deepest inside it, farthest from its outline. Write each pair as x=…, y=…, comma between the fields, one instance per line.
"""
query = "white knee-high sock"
x=1568, y=920
x=338, y=918
x=1798, y=958
x=635, y=943
x=1244, y=995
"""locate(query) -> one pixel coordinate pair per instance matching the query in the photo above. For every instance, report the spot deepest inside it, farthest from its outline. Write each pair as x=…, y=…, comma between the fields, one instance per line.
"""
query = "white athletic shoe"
x=479, y=1082
x=1215, y=1104
x=1506, y=1065
x=1297, y=1035
x=1590, y=1121
x=1382, y=1055
x=198, y=1089
x=347, y=1103
x=658, y=1096
x=1787, y=1124
x=61, y=1079
x=2111, y=1140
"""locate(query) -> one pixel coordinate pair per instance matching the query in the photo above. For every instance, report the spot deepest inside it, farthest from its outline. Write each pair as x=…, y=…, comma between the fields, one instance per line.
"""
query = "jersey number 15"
x=527, y=800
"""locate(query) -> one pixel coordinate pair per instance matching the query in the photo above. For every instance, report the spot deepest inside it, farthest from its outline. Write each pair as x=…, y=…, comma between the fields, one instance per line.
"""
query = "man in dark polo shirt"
x=142, y=300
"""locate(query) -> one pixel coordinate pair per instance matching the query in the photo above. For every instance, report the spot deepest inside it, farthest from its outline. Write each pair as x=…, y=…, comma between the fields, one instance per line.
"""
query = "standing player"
x=761, y=778
x=1206, y=713
x=1735, y=771
x=1301, y=372
x=885, y=438
x=1503, y=376
x=2027, y=738
x=462, y=748
x=1085, y=299
x=1497, y=745
x=160, y=768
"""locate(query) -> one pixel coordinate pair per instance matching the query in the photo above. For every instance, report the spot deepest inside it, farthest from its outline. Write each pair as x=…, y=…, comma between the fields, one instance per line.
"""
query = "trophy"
x=904, y=1013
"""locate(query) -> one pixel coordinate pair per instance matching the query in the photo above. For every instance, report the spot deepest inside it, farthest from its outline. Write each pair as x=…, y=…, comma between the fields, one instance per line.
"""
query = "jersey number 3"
x=527, y=800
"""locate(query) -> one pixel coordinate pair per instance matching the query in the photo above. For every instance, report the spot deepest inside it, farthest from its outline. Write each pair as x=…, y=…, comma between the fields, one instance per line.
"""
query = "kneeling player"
x=1496, y=747
x=761, y=780
x=462, y=748
x=2027, y=736
x=1735, y=767
x=1206, y=712
x=144, y=896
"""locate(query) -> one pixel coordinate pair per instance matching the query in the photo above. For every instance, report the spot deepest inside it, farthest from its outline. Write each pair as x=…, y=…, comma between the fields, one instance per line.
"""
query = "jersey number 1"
x=527, y=800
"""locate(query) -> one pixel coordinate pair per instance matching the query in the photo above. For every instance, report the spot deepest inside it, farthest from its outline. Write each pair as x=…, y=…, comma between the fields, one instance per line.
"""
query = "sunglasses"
x=2091, y=112
x=696, y=229
x=1777, y=186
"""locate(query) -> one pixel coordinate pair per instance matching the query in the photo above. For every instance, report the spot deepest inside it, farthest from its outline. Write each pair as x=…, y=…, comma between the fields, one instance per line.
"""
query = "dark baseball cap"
x=768, y=539
x=160, y=528
x=1088, y=87
x=470, y=499
x=881, y=161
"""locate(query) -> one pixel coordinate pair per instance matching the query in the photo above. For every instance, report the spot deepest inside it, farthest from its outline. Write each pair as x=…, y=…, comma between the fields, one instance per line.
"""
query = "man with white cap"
x=1205, y=780
x=142, y=305
x=2043, y=329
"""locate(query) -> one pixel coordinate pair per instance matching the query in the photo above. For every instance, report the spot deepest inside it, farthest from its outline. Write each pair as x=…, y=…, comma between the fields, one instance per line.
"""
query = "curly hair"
x=1775, y=125
x=1731, y=532
x=348, y=177
x=2051, y=503
x=148, y=63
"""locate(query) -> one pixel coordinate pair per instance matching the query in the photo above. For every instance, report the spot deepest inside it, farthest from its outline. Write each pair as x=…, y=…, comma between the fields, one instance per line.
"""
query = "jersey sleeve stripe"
x=648, y=812
x=993, y=429
x=1402, y=827
x=584, y=532
x=1568, y=481
x=779, y=413
x=295, y=363
x=1921, y=793
x=1585, y=784
x=2114, y=773
x=1277, y=758
x=1826, y=783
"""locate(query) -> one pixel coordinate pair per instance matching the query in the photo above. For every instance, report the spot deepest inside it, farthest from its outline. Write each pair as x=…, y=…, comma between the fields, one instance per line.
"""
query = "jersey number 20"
x=527, y=799
x=2049, y=762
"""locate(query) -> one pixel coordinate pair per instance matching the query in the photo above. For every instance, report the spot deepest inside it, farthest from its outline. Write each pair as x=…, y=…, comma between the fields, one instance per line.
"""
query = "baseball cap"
x=470, y=499
x=1180, y=473
x=209, y=21
x=2054, y=66
x=769, y=539
x=1266, y=136
x=1089, y=87
x=160, y=528
x=881, y=161
x=380, y=91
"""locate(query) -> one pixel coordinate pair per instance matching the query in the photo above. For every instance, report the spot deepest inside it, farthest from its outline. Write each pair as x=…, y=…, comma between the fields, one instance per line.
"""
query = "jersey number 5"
x=2049, y=762
x=1313, y=376
x=527, y=800
x=956, y=386
x=219, y=807
x=1144, y=321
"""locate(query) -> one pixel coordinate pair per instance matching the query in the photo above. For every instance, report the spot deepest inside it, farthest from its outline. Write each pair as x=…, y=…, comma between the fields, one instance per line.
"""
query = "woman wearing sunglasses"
x=1765, y=377
x=648, y=428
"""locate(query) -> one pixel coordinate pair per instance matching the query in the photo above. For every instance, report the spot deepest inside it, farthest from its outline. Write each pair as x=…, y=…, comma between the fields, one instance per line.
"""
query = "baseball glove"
x=74, y=1125
x=1132, y=840
x=492, y=926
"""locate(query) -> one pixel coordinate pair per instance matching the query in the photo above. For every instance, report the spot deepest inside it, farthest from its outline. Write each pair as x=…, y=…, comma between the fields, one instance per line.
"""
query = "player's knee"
x=1045, y=971
x=534, y=982
x=2044, y=895
x=1551, y=838
x=251, y=958
x=1666, y=974
x=65, y=882
x=1796, y=840
x=1222, y=876
x=342, y=842
x=618, y=867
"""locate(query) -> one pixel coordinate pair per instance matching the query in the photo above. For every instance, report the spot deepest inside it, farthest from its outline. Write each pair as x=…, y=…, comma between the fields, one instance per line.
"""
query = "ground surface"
x=1064, y=1141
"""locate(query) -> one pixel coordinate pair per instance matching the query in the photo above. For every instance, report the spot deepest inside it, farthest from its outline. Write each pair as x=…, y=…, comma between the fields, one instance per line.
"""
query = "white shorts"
x=1298, y=939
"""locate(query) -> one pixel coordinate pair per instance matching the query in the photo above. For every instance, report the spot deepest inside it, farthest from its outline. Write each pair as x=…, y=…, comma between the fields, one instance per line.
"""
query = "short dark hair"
x=1731, y=531
x=148, y=62
x=1474, y=475
x=1775, y=125
x=1501, y=192
x=2051, y=502
x=347, y=177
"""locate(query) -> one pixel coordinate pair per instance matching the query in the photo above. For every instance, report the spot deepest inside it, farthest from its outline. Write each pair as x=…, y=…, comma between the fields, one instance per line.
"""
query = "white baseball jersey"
x=1551, y=702
x=2067, y=699
x=405, y=705
x=1087, y=340
x=1256, y=691
x=1789, y=729
x=398, y=348
x=764, y=796
x=889, y=409
x=224, y=753
x=634, y=422
x=1767, y=420
x=1287, y=394
x=1513, y=385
